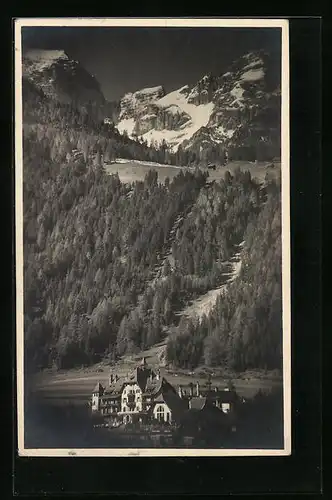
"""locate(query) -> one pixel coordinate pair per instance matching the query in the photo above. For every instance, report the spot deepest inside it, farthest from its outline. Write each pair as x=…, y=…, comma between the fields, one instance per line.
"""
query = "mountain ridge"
x=234, y=115
x=237, y=109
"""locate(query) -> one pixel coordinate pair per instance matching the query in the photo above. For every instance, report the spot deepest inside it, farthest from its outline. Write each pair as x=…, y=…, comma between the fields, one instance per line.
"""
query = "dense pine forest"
x=243, y=330
x=92, y=246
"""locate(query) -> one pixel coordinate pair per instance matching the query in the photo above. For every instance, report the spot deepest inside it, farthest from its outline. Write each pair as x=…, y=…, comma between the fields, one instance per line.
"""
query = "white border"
x=286, y=277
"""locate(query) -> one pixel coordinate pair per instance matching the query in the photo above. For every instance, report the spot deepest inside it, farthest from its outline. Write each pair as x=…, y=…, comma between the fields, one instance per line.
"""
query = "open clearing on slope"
x=135, y=170
x=75, y=386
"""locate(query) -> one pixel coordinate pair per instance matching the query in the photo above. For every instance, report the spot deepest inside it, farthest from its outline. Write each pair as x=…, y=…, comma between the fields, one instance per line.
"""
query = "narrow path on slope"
x=204, y=303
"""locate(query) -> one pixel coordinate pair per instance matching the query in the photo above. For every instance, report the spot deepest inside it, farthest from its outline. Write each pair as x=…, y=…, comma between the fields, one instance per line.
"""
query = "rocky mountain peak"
x=238, y=108
x=60, y=77
x=134, y=102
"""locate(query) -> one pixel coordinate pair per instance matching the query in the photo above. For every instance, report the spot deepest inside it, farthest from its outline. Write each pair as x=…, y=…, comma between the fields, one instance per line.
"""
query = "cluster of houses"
x=146, y=397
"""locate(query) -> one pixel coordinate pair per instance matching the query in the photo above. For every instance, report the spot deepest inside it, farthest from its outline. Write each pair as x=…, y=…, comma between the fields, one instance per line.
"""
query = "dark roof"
x=111, y=395
x=153, y=386
x=221, y=394
x=227, y=396
x=208, y=415
x=116, y=387
x=197, y=403
x=98, y=388
x=144, y=377
x=141, y=375
x=169, y=396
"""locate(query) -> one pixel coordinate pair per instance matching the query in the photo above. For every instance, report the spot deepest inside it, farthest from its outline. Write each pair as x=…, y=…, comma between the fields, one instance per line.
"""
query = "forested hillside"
x=244, y=329
x=92, y=246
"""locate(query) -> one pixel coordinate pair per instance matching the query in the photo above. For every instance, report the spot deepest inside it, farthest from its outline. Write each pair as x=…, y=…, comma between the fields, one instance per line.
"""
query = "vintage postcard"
x=152, y=237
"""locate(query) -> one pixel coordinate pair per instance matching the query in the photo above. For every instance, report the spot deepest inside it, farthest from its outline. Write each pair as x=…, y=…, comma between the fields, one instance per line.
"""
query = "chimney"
x=197, y=388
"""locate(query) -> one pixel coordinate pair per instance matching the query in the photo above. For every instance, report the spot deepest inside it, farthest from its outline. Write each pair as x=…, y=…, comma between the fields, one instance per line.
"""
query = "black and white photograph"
x=152, y=237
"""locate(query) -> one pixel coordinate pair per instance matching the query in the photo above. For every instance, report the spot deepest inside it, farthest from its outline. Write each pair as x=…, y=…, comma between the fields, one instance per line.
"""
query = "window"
x=124, y=408
x=160, y=413
x=225, y=407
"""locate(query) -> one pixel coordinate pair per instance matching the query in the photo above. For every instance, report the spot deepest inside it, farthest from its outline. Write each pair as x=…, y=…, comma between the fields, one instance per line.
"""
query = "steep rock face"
x=133, y=103
x=238, y=111
x=142, y=112
x=60, y=77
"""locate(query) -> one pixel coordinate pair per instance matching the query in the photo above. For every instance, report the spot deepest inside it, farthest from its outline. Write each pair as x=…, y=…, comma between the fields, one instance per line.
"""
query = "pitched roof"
x=153, y=386
x=227, y=396
x=223, y=395
x=169, y=396
x=197, y=403
x=175, y=403
x=98, y=388
x=208, y=415
x=111, y=395
x=159, y=398
x=144, y=377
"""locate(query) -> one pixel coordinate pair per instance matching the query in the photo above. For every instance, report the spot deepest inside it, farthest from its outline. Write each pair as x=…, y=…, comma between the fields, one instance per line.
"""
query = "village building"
x=142, y=396
x=197, y=397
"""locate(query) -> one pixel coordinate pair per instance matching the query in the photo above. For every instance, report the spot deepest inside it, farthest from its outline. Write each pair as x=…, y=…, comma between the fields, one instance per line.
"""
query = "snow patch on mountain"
x=137, y=106
x=222, y=132
x=151, y=90
x=229, y=110
x=237, y=92
x=252, y=75
x=254, y=63
x=199, y=116
x=172, y=137
x=126, y=125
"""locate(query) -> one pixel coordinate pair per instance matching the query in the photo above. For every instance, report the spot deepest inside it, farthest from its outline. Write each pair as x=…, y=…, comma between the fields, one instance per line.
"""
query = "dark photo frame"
x=300, y=472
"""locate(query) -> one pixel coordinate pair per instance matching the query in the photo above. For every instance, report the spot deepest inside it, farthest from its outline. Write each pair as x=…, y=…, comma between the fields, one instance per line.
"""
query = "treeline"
x=244, y=330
